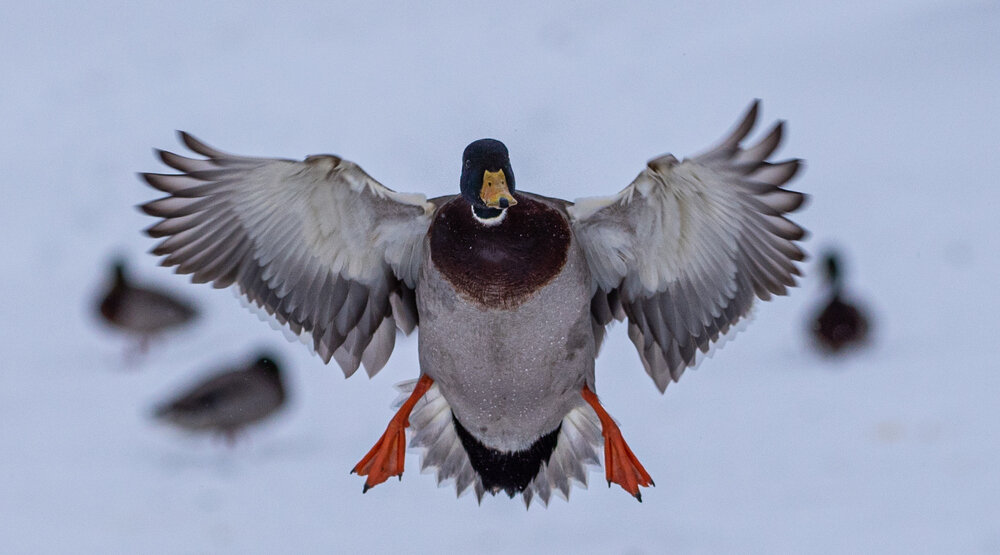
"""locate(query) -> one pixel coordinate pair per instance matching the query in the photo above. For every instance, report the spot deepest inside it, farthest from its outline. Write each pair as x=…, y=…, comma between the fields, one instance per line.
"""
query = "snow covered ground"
x=767, y=447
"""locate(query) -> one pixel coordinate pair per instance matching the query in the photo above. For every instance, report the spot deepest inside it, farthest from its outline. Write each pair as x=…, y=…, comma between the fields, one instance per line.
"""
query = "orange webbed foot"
x=386, y=458
x=620, y=464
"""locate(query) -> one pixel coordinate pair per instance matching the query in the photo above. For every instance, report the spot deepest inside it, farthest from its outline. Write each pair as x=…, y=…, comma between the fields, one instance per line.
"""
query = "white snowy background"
x=767, y=447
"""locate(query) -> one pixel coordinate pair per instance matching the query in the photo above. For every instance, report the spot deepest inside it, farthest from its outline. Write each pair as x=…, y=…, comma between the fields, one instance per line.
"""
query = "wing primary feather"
x=783, y=227
x=760, y=151
x=172, y=226
x=171, y=183
x=205, y=189
x=183, y=163
x=201, y=148
x=765, y=245
x=783, y=200
x=743, y=129
x=170, y=207
x=776, y=173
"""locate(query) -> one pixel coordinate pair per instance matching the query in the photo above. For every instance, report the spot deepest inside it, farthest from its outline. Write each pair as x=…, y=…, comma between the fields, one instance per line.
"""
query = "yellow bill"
x=494, y=191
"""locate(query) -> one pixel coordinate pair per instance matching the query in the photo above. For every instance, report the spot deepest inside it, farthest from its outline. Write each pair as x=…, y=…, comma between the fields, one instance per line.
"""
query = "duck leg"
x=620, y=465
x=385, y=459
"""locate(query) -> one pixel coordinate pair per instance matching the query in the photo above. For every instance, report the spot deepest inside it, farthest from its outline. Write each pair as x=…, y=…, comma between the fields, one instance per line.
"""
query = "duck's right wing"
x=685, y=249
x=318, y=244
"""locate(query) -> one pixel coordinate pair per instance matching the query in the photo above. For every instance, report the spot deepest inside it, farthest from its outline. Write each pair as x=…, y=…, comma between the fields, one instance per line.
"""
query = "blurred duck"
x=229, y=401
x=141, y=311
x=839, y=324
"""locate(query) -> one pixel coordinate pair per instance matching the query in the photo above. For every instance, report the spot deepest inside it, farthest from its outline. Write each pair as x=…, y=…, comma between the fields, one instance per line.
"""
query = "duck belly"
x=509, y=373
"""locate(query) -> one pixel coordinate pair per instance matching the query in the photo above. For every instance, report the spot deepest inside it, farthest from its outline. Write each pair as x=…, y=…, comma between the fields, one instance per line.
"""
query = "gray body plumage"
x=516, y=372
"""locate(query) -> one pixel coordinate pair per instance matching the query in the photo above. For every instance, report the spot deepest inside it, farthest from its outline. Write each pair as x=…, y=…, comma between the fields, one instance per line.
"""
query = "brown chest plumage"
x=499, y=266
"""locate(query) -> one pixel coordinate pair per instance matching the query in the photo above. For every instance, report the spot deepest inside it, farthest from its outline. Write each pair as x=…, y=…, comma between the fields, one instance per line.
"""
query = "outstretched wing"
x=318, y=244
x=684, y=250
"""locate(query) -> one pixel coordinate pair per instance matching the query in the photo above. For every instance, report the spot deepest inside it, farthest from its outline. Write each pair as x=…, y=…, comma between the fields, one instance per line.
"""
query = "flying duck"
x=840, y=323
x=141, y=310
x=227, y=402
x=511, y=291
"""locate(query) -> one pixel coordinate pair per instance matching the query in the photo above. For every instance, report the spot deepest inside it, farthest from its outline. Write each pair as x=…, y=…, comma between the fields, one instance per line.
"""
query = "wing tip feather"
x=745, y=126
x=197, y=145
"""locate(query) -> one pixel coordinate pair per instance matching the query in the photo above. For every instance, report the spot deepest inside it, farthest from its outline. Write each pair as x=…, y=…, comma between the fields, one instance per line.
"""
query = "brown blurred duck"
x=139, y=310
x=839, y=324
x=227, y=402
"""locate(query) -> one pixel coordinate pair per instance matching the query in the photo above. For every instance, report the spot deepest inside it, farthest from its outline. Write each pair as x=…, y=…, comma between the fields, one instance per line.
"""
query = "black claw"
x=351, y=472
x=638, y=496
x=366, y=488
x=609, y=483
x=652, y=483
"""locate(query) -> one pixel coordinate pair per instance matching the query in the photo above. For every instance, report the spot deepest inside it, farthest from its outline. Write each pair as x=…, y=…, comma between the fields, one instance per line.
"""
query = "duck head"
x=831, y=267
x=266, y=364
x=120, y=272
x=487, y=180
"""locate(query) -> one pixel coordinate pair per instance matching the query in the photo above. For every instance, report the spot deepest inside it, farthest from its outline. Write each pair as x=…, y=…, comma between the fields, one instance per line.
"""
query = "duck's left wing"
x=684, y=250
x=319, y=244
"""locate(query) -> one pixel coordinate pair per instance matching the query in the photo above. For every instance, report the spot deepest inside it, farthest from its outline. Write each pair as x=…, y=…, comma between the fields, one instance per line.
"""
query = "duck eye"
x=468, y=164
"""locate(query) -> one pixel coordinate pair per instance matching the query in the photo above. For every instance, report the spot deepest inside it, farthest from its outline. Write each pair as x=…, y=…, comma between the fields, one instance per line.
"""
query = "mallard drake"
x=141, y=310
x=227, y=402
x=512, y=291
x=840, y=323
